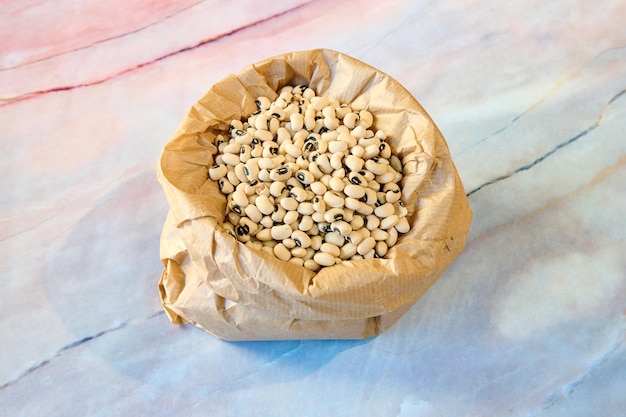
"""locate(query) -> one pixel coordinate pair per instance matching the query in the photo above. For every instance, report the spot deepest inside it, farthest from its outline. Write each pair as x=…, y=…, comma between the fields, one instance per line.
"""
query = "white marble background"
x=528, y=321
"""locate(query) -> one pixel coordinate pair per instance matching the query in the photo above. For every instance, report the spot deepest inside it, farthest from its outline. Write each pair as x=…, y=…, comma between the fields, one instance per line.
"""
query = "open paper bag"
x=238, y=293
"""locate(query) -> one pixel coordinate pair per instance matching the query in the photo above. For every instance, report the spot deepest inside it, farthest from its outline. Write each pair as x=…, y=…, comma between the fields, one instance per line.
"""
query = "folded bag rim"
x=243, y=275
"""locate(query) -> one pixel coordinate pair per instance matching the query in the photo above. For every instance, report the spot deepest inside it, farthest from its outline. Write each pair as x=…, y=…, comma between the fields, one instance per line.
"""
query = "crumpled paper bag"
x=237, y=293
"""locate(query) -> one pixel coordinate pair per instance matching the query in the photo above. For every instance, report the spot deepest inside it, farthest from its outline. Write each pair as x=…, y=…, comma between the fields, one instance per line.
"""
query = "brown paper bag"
x=237, y=293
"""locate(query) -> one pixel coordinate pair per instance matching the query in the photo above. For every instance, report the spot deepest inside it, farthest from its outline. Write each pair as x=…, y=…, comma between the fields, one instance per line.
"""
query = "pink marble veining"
x=529, y=321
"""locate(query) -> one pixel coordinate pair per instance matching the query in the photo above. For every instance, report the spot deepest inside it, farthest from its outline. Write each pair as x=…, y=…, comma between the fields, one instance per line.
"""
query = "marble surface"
x=528, y=321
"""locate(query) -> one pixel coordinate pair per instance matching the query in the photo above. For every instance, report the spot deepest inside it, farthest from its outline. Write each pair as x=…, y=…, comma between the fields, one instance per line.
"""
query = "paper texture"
x=236, y=293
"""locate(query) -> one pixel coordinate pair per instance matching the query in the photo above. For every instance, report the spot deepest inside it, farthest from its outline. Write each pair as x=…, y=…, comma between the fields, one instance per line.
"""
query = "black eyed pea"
x=252, y=187
x=251, y=169
x=232, y=148
x=374, y=167
x=240, y=198
x=302, y=163
x=276, y=188
x=281, y=252
x=297, y=121
x=354, y=163
x=336, y=160
x=277, y=112
x=315, y=171
x=339, y=173
x=319, y=102
x=270, y=149
x=337, y=146
x=356, y=178
x=348, y=215
x=365, y=209
x=301, y=239
x=316, y=242
x=368, y=141
x=329, y=111
x=264, y=175
x=366, y=245
x=355, y=237
x=262, y=103
x=350, y=120
x=241, y=172
x=318, y=217
x=384, y=210
x=336, y=184
x=253, y=213
x=290, y=217
x=225, y=186
x=298, y=252
x=354, y=191
x=318, y=188
x=387, y=177
x=352, y=203
x=322, y=145
x=379, y=234
x=306, y=223
x=357, y=151
x=292, y=182
x=334, y=199
x=384, y=150
x=282, y=134
x=370, y=255
x=392, y=238
x=357, y=222
x=374, y=185
x=305, y=177
x=319, y=205
x=274, y=124
x=358, y=132
x=289, y=243
x=331, y=248
x=331, y=123
x=347, y=251
x=230, y=159
x=267, y=222
x=324, y=259
x=395, y=163
x=264, y=204
x=311, y=265
x=400, y=209
x=365, y=119
x=264, y=235
x=371, y=151
x=342, y=227
x=256, y=245
x=256, y=151
x=323, y=161
x=262, y=122
x=217, y=172
x=233, y=218
x=268, y=249
x=306, y=208
x=393, y=196
x=298, y=193
x=389, y=222
x=334, y=238
x=296, y=261
x=356, y=257
x=267, y=163
x=279, y=214
x=251, y=226
x=281, y=232
x=403, y=225
x=280, y=174
x=372, y=221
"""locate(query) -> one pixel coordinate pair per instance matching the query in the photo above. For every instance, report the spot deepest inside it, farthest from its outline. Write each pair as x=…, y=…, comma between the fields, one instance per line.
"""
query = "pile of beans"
x=309, y=180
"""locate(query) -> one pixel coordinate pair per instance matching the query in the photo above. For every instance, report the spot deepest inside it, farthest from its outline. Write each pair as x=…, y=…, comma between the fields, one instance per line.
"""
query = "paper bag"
x=237, y=293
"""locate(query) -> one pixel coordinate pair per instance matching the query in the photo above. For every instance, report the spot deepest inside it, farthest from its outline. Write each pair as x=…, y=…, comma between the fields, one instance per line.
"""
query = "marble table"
x=528, y=321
